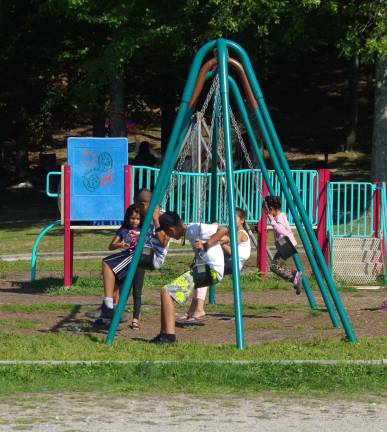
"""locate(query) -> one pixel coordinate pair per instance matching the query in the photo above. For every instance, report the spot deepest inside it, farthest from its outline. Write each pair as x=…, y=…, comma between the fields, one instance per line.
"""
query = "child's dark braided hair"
x=274, y=202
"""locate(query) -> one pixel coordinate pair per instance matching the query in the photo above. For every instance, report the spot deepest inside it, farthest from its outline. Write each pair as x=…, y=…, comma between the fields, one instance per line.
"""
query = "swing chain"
x=181, y=160
x=245, y=152
x=193, y=131
x=214, y=84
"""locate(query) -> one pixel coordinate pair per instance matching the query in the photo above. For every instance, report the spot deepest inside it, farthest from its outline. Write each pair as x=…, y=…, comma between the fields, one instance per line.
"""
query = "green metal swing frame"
x=257, y=104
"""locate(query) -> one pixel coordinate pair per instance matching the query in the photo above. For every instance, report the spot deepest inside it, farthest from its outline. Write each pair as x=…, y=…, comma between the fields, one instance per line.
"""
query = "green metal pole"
x=299, y=226
x=279, y=160
x=224, y=92
x=261, y=162
x=36, y=245
x=309, y=230
x=169, y=160
x=214, y=182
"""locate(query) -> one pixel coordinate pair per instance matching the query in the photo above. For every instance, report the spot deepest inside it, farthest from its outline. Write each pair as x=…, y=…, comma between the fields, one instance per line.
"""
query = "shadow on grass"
x=40, y=286
x=68, y=318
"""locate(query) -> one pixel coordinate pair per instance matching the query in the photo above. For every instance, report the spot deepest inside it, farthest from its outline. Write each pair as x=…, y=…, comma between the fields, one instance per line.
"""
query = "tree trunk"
x=99, y=124
x=353, y=72
x=379, y=139
x=117, y=106
x=22, y=164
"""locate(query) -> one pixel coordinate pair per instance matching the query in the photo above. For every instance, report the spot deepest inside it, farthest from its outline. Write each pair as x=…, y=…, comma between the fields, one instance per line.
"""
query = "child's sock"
x=108, y=302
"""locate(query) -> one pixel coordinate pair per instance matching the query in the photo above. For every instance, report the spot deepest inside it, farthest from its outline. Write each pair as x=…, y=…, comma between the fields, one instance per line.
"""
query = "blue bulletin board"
x=97, y=178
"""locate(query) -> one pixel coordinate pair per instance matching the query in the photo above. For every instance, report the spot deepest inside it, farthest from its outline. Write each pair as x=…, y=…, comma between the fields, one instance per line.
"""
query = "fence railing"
x=350, y=209
x=189, y=193
x=383, y=225
x=329, y=225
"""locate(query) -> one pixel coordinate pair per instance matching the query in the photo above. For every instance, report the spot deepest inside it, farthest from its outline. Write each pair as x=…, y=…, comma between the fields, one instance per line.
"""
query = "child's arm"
x=215, y=238
x=117, y=243
x=225, y=241
x=162, y=237
x=221, y=236
x=278, y=227
x=133, y=233
x=226, y=248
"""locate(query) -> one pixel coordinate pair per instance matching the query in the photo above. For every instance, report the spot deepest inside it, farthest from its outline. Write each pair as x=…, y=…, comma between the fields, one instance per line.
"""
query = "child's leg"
x=138, y=282
x=278, y=268
x=178, y=291
x=196, y=309
x=167, y=313
x=109, y=280
x=116, y=293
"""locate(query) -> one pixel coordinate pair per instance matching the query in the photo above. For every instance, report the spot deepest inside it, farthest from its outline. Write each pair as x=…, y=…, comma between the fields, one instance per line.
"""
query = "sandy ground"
x=283, y=315
x=94, y=412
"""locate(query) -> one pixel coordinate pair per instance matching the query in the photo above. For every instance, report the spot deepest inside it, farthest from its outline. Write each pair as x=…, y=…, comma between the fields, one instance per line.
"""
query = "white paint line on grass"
x=380, y=362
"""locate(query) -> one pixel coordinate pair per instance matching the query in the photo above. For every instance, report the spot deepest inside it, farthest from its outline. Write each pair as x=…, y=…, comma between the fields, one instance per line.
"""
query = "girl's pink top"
x=281, y=228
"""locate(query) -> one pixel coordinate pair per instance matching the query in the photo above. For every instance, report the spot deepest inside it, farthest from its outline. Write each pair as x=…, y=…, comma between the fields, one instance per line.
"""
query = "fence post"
x=377, y=203
x=127, y=186
x=324, y=176
x=262, y=238
x=68, y=235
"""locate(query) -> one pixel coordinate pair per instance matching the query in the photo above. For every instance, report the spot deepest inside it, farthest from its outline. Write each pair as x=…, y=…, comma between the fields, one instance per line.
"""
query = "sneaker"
x=96, y=314
x=163, y=338
x=106, y=313
x=297, y=282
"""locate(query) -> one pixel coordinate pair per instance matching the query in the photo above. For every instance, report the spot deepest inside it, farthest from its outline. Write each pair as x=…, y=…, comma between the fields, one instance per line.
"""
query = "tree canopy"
x=59, y=56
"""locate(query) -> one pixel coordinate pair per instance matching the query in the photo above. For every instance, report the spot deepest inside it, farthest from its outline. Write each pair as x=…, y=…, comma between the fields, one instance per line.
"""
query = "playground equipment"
x=356, y=229
x=219, y=66
x=94, y=192
x=182, y=200
x=344, y=215
x=218, y=184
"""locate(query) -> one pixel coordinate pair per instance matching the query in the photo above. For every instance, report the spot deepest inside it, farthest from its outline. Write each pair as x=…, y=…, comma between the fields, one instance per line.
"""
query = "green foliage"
x=72, y=48
x=363, y=28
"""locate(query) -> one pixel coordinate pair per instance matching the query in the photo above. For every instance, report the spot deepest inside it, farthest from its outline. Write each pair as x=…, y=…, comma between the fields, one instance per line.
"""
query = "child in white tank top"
x=196, y=310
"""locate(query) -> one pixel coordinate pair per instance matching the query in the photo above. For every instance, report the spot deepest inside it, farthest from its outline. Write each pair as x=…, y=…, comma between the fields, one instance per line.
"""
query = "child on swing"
x=116, y=265
x=281, y=228
x=196, y=310
x=180, y=289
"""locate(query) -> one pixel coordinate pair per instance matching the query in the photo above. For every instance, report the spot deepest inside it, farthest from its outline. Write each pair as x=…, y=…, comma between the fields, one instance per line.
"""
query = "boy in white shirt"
x=182, y=287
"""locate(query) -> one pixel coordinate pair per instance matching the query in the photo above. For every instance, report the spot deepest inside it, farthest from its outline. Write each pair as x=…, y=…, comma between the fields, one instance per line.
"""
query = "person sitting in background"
x=144, y=156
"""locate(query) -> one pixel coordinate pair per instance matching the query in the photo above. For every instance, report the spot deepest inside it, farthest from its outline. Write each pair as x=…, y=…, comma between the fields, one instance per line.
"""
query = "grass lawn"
x=193, y=367
x=349, y=381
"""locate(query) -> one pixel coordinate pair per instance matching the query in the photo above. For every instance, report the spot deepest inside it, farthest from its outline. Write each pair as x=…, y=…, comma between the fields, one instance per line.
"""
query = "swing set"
x=215, y=134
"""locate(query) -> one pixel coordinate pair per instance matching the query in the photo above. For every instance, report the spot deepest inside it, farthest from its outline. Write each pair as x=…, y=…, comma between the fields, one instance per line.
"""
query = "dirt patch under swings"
x=268, y=315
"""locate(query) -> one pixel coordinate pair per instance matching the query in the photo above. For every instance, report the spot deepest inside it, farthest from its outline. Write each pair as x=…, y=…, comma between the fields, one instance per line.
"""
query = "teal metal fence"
x=350, y=209
x=383, y=226
x=189, y=193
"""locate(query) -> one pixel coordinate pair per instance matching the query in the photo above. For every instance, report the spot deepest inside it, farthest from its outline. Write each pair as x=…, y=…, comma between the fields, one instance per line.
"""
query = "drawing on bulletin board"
x=99, y=170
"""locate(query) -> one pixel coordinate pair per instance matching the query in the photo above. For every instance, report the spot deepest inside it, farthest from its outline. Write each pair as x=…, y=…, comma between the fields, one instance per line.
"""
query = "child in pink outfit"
x=281, y=228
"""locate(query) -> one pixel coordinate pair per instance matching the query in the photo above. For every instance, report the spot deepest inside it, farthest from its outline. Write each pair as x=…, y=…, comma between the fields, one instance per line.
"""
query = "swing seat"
x=285, y=247
x=201, y=272
x=227, y=266
x=146, y=259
